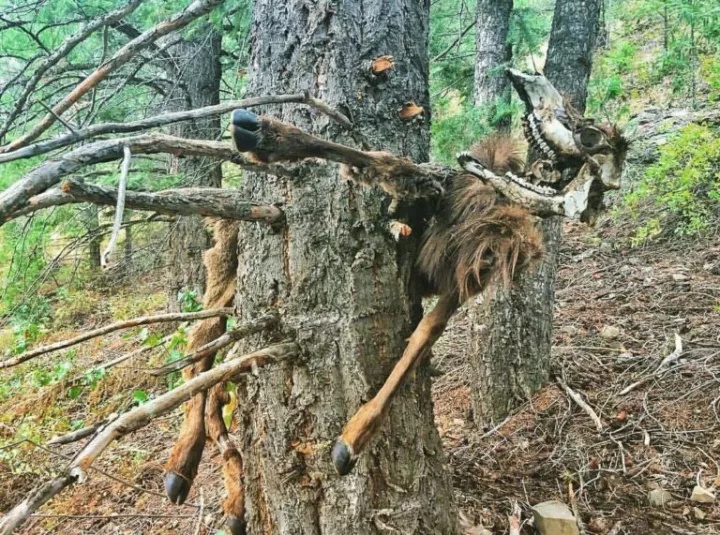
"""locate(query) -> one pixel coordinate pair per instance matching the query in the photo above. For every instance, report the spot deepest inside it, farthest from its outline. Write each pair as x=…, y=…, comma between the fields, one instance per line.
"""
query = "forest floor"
x=618, y=311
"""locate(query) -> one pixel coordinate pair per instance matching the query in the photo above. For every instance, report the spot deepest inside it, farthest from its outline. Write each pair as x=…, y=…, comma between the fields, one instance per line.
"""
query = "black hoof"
x=177, y=488
x=245, y=130
x=236, y=525
x=343, y=457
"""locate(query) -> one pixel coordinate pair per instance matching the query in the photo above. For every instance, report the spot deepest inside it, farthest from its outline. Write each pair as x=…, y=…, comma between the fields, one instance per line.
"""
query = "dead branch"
x=123, y=358
x=22, y=511
x=242, y=331
x=64, y=140
x=80, y=434
x=580, y=402
x=138, y=418
x=217, y=202
x=50, y=173
x=665, y=364
x=195, y=10
x=515, y=519
x=119, y=207
x=127, y=324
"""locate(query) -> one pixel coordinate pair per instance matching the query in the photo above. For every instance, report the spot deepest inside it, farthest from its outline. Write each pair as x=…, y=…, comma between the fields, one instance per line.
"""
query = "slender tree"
x=342, y=283
x=511, y=343
x=493, y=53
x=197, y=63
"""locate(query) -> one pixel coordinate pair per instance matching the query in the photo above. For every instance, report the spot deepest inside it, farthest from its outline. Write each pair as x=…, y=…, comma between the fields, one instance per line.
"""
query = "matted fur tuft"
x=500, y=153
x=476, y=237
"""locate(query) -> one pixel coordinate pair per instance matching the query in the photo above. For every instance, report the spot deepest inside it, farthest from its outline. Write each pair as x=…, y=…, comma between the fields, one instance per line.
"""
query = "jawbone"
x=571, y=202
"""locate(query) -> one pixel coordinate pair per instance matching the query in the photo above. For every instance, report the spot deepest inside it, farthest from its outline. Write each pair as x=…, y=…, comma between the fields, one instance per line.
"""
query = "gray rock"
x=702, y=495
x=554, y=518
x=609, y=332
x=659, y=497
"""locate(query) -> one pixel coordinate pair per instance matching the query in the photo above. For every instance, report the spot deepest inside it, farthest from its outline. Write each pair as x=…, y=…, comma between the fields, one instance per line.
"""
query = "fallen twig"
x=666, y=362
x=581, y=403
x=515, y=519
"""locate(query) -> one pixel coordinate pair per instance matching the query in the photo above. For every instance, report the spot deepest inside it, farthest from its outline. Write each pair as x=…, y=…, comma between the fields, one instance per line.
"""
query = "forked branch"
x=61, y=52
x=52, y=172
x=213, y=202
x=195, y=10
x=138, y=418
x=107, y=329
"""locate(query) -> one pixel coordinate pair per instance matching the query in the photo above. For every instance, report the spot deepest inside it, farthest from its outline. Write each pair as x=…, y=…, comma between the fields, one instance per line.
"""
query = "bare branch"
x=580, y=402
x=107, y=329
x=22, y=511
x=230, y=337
x=64, y=140
x=216, y=202
x=80, y=434
x=140, y=417
x=195, y=10
x=50, y=173
x=119, y=207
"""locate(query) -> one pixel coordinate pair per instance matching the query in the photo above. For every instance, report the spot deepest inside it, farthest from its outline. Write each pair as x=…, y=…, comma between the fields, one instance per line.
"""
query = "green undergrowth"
x=679, y=194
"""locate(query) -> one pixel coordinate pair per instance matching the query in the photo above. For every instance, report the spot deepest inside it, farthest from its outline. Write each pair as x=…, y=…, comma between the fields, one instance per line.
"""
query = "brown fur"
x=477, y=237
x=221, y=265
x=501, y=153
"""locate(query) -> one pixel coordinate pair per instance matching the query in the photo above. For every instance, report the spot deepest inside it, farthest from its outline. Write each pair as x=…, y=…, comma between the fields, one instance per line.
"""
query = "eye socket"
x=591, y=138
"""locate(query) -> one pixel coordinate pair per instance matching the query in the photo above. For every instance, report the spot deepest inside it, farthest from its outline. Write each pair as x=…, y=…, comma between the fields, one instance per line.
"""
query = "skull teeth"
x=541, y=190
x=531, y=130
x=465, y=158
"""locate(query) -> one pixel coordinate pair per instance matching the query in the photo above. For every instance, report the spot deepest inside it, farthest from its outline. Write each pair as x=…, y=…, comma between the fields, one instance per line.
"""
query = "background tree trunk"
x=341, y=282
x=493, y=53
x=198, y=63
x=91, y=217
x=512, y=333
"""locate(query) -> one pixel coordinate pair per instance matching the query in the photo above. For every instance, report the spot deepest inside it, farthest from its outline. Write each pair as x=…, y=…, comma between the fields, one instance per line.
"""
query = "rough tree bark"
x=512, y=336
x=198, y=62
x=341, y=283
x=492, y=53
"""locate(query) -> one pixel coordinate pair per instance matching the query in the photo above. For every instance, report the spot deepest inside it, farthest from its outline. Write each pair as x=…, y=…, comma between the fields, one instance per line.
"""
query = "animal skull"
x=585, y=159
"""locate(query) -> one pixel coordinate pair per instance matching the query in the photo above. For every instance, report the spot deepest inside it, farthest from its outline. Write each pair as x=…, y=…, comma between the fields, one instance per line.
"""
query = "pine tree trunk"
x=341, y=282
x=512, y=338
x=198, y=62
x=493, y=53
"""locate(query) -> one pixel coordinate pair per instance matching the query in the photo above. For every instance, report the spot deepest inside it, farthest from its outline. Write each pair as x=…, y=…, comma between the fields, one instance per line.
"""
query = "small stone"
x=625, y=357
x=609, y=332
x=679, y=277
x=554, y=518
x=570, y=329
x=598, y=525
x=698, y=514
x=702, y=495
x=659, y=497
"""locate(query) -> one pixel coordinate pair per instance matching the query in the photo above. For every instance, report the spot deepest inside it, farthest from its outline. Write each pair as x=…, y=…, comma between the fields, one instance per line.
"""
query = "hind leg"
x=234, y=504
x=366, y=422
x=182, y=466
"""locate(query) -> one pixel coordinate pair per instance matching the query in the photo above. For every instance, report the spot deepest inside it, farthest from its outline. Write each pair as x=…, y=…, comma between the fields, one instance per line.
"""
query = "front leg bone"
x=366, y=422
